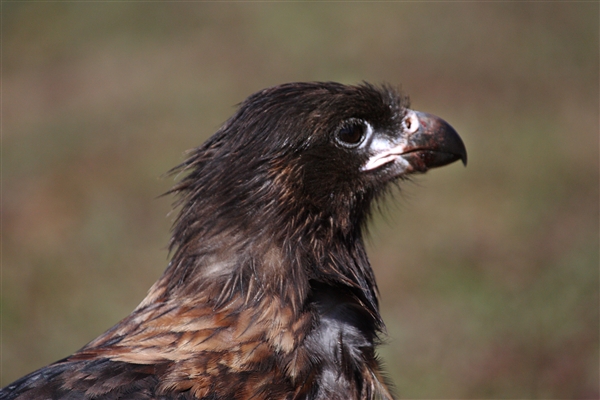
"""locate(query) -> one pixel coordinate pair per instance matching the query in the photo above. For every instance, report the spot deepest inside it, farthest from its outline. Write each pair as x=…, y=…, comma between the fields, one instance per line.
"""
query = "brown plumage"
x=269, y=293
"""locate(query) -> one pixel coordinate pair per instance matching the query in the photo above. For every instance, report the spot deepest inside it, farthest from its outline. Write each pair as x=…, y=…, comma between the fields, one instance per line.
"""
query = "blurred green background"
x=488, y=275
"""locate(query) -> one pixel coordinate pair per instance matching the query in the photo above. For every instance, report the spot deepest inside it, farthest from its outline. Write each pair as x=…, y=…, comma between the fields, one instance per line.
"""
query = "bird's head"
x=301, y=155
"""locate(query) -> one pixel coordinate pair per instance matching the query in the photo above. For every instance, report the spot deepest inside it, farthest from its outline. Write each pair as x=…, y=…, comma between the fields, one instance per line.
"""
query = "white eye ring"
x=353, y=133
x=411, y=122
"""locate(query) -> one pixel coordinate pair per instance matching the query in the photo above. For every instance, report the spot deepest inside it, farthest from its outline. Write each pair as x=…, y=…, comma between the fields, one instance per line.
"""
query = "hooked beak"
x=426, y=142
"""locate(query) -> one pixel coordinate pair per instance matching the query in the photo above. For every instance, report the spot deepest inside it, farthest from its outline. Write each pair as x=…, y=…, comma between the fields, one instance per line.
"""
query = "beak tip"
x=463, y=157
x=441, y=137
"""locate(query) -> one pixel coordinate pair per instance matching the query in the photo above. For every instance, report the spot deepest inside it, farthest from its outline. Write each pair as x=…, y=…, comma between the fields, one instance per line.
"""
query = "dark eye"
x=351, y=133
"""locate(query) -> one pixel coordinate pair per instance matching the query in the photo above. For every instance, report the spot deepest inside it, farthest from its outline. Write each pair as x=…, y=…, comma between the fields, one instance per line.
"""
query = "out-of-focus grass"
x=488, y=275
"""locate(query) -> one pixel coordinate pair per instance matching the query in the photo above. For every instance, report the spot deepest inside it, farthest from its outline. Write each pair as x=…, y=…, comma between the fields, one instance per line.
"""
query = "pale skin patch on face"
x=387, y=151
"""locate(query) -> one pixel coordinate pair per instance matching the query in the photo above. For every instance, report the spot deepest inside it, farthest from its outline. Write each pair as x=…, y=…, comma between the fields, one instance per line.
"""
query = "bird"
x=268, y=293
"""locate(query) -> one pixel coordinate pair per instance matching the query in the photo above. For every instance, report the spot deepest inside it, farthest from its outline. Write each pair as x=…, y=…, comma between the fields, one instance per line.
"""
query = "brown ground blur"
x=488, y=275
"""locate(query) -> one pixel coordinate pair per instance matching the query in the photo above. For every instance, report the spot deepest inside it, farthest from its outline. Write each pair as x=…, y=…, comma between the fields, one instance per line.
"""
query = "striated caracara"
x=269, y=293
